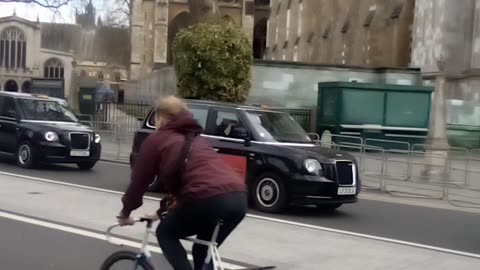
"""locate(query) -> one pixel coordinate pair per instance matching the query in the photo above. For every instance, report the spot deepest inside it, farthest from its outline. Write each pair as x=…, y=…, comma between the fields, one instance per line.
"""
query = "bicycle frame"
x=144, y=252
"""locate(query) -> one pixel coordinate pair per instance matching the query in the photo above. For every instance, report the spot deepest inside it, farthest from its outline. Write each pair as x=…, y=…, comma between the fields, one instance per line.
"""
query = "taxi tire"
x=86, y=165
x=31, y=162
x=282, y=201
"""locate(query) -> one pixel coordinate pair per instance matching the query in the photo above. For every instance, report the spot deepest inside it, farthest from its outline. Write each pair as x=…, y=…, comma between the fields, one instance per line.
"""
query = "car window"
x=7, y=107
x=151, y=120
x=199, y=114
x=46, y=110
x=225, y=123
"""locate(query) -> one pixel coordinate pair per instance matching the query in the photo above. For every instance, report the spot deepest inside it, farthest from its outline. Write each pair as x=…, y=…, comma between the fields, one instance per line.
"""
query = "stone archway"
x=26, y=87
x=11, y=86
x=181, y=21
x=260, y=38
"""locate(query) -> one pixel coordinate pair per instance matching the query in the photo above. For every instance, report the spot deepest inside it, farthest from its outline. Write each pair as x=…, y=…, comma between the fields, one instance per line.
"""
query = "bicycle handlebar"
x=136, y=220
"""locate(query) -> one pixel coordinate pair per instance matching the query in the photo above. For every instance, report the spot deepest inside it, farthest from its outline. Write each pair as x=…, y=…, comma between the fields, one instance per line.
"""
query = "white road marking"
x=70, y=184
x=94, y=235
x=281, y=221
x=368, y=236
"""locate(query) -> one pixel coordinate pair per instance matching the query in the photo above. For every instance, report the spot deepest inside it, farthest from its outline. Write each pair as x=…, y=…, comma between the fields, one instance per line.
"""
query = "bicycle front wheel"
x=126, y=260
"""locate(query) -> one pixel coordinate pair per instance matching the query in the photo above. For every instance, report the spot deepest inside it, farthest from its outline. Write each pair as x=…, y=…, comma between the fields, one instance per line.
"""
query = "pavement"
x=371, y=234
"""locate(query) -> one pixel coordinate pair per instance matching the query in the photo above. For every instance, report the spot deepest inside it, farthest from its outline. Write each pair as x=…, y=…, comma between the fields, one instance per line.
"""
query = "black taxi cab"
x=270, y=150
x=37, y=128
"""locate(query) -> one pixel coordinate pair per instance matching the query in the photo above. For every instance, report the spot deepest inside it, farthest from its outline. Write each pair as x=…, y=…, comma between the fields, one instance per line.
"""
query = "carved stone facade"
x=156, y=22
x=22, y=58
x=447, y=33
x=341, y=32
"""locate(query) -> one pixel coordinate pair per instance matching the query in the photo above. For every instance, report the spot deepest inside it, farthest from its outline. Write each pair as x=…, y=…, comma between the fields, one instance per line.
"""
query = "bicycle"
x=142, y=258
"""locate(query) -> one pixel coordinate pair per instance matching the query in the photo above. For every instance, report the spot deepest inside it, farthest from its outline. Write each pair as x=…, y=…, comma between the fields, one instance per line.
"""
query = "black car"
x=36, y=128
x=280, y=163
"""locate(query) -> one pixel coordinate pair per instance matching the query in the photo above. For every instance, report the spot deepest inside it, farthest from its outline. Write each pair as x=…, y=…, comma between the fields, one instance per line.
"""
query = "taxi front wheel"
x=25, y=155
x=269, y=193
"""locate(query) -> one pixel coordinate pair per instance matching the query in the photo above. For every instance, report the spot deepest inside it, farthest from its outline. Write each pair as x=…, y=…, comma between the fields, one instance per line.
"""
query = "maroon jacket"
x=206, y=175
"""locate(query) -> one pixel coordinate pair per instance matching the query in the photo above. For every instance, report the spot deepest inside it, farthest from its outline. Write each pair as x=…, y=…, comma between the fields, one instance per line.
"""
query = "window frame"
x=212, y=119
x=151, y=114
x=3, y=100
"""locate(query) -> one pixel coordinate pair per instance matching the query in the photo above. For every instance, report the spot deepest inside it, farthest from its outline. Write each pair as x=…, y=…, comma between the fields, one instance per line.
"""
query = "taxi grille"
x=80, y=141
x=345, y=172
x=342, y=172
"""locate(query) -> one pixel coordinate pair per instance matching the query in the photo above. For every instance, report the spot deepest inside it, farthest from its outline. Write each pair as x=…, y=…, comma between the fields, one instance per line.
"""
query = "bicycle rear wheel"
x=126, y=260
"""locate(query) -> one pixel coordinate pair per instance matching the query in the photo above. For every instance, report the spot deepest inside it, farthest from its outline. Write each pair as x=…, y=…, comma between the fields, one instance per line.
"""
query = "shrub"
x=212, y=61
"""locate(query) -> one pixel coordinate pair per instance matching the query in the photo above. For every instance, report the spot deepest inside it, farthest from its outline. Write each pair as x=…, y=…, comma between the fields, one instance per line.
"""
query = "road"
x=448, y=229
x=48, y=249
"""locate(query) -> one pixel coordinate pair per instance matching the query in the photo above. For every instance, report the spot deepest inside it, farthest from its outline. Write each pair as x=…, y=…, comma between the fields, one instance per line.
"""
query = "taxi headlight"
x=312, y=166
x=97, y=138
x=51, y=136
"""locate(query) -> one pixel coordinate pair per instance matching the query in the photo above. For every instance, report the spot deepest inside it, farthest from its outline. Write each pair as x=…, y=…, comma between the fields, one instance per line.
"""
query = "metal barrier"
x=469, y=195
x=110, y=137
x=370, y=141
x=375, y=157
x=424, y=181
x=417, y=171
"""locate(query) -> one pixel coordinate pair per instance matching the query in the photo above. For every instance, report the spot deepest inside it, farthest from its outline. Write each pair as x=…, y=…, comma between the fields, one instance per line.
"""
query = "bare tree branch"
x=119, y=15
x=53, y=4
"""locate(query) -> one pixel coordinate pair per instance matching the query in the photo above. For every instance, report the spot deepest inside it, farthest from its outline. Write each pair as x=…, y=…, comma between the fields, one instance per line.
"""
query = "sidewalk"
x=257, y=241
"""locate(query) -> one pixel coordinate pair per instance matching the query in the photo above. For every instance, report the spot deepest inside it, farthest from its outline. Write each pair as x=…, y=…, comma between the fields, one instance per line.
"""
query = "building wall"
x=347, y=32
x=34, y=66
x=279, y=84
x=67, y=60
x=155, y=23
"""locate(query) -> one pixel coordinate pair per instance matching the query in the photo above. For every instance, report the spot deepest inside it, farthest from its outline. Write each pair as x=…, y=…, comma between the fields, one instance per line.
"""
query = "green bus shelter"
x=374, y=111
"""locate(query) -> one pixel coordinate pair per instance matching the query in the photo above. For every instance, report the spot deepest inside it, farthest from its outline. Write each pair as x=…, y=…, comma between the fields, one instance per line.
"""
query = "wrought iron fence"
x=302, y=116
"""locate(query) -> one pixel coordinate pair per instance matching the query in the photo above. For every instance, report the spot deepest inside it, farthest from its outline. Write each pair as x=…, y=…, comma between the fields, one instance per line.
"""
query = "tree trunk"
x=202, y=9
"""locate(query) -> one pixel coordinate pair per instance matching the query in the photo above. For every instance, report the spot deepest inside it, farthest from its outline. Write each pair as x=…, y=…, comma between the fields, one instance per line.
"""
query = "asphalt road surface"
x=449, y=229
x=27, y=246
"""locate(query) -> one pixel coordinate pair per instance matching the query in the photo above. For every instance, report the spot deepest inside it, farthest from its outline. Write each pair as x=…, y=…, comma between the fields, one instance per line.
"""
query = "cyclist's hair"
x=167, y=108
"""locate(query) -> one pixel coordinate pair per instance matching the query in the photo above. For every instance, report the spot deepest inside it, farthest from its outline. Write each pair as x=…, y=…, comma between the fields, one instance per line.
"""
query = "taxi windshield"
x=277, y=127
x=46, y=110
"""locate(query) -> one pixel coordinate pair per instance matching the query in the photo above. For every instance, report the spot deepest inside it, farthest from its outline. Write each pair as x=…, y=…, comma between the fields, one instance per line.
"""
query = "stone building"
x=22, y=58
x=341, y=32
x=446, y=45
x=156, y=22
x=67, y=53
x=87, y=18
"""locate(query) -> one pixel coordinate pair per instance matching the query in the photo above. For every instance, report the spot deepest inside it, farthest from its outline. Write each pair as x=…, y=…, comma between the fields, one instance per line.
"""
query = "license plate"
x=346, y=191
x=79, y=153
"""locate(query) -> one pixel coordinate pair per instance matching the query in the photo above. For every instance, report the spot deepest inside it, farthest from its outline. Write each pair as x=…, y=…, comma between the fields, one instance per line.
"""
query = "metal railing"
x=418, y=171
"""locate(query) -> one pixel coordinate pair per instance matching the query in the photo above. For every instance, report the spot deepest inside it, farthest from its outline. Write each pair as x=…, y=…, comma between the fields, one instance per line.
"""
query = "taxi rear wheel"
x=25, y=155
x=269, y=193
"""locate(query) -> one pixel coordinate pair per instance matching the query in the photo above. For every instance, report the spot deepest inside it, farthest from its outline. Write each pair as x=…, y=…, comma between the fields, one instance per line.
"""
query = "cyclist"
x=205, y=188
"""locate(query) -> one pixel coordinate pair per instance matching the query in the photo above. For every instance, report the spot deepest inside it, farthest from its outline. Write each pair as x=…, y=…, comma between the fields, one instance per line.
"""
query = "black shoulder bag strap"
x=182, y=162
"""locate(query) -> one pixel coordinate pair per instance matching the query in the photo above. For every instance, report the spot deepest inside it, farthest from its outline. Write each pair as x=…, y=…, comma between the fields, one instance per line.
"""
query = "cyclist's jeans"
x=199, y=218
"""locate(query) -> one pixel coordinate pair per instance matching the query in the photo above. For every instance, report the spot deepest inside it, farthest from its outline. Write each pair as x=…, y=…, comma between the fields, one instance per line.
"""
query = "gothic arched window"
x=13, y=48
x=53, y=69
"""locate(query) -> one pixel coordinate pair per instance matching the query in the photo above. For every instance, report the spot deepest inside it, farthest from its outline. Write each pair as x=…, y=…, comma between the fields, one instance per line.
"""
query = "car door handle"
x=215, y=149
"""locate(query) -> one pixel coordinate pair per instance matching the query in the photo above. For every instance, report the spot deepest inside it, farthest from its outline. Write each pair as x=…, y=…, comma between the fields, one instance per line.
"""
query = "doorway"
x=11, y=86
